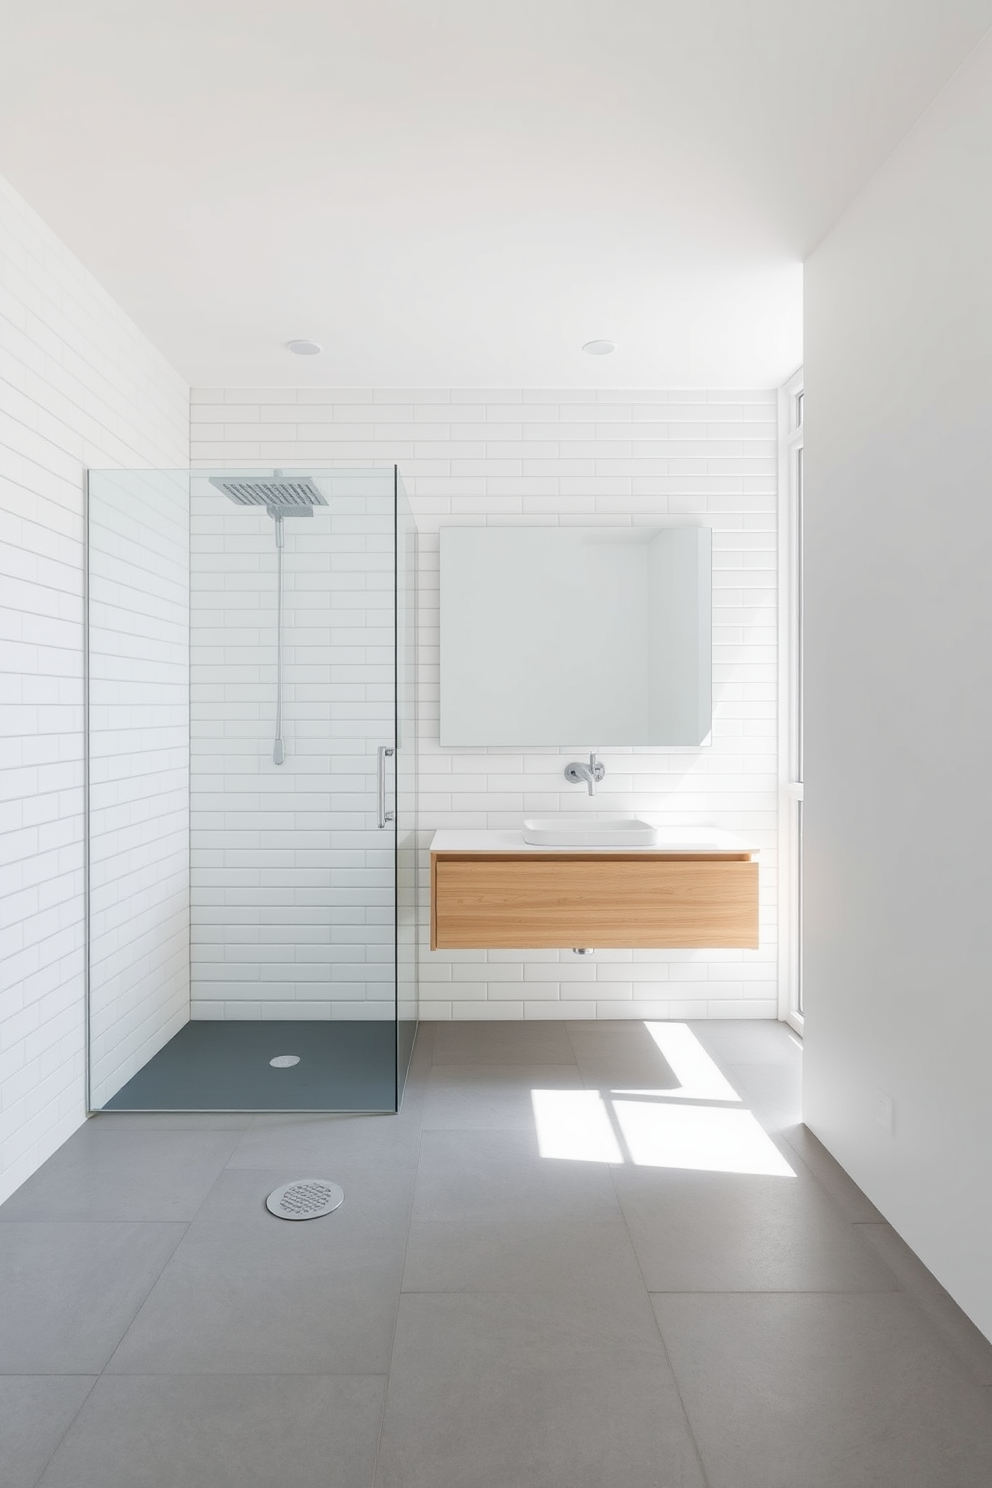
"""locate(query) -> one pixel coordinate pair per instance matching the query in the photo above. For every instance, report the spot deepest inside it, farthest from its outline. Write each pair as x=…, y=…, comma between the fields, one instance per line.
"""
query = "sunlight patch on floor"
x=698, y=1076
x=693, y=1125
x=575, y=1124
x=709, y=1139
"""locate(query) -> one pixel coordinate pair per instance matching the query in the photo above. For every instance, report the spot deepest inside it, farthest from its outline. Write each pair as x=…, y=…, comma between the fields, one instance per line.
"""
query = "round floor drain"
x=305, y=1198
x=284, y=1061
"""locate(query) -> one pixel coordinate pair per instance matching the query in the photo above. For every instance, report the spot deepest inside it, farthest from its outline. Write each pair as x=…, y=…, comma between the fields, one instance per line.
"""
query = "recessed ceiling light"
x=600, y=348
x=303, y=347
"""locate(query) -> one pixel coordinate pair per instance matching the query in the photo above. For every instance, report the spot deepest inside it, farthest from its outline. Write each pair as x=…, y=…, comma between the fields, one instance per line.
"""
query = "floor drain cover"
x=284, y=1061
x=305, y=1198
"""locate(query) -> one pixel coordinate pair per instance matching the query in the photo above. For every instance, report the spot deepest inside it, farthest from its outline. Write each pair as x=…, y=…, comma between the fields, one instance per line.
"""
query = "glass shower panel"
x=293, y=895
x=407, y=721
x=298, y=781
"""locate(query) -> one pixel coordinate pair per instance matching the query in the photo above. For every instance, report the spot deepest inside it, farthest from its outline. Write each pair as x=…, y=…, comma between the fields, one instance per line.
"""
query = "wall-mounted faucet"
x=590, y=774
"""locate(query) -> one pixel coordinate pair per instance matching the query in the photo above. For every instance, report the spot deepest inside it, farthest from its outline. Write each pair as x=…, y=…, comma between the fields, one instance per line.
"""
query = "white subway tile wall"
x=79, y=386
x=554, y=457
x=139, y=769
x=292, y=881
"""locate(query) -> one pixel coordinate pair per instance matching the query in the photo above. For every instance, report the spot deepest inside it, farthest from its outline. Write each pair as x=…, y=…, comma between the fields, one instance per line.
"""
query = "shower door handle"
x=382, y=815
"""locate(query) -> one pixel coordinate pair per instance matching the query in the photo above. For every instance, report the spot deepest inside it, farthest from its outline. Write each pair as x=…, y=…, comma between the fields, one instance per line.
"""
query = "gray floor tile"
x=629, y=1059
x=376, y=1198
x=473, y=1096
x=606, y=1071
x=825, y=1392
x=830, y=1175
x=748, y=1040
x=603, y=1025
x=528, y=1352
x=316, y=1142
x=419, y=1071
x=105, y=1172
x=957, y=1330
x=773, y=1092
x=619, y=1037
x=70, y=1290
x=540, y=1042
x=246, y=1293
x=490, y=1175
x=423, y=1048
x=222, y=1433
x=147, y=1121
x=586, y=1272
x=35, y=1413
x=499, y=1395
x=712, y=1232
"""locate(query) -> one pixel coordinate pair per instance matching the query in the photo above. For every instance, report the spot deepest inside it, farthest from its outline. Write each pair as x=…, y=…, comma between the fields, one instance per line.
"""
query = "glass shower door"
x=297, y=780
x=408, y=896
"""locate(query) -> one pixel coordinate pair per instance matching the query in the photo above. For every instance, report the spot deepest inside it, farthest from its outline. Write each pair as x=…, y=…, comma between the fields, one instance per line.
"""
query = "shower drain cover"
x=305, y=1198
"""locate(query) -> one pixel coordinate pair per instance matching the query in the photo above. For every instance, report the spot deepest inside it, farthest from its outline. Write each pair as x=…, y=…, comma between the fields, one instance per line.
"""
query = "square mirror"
x=585, y=636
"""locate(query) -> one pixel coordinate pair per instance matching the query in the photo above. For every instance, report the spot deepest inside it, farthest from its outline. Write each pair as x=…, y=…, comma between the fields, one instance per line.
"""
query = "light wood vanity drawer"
x=483, y=901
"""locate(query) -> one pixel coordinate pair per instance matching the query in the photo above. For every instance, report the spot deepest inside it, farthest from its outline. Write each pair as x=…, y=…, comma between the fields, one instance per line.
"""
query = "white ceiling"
x=462, y=192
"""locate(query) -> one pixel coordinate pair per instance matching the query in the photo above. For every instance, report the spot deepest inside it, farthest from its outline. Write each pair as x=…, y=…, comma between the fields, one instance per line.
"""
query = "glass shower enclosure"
x=251, y=871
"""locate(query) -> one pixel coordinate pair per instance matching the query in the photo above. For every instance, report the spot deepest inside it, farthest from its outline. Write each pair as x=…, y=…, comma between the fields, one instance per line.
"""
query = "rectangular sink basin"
x=616, y=831
x=579, y=830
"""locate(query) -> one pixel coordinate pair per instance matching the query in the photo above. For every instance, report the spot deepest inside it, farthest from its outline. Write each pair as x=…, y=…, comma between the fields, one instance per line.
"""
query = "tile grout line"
x=777, y=1136
x=138, y=1310
x=213, y=1374
x=657, y=1322
x=775, y=1292
x=828, y=1298
x=898, y=1288
x=94, y=1381
x=926, y=1301
x=399, y=1295
x=237, y=1143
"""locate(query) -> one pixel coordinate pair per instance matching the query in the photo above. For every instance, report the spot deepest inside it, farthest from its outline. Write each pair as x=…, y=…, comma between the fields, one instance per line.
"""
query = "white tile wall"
x=292, y=888
x=546, y=456
x=139, y=769
x=79, y=386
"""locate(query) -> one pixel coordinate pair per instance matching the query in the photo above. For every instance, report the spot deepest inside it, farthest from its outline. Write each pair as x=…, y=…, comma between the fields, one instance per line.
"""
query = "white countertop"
x=508, y=840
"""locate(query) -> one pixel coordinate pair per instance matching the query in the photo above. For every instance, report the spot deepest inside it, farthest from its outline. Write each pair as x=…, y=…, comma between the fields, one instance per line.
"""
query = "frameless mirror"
x=576, y=636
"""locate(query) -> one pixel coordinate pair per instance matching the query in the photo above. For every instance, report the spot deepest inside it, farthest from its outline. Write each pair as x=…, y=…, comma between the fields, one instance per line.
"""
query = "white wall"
x=899, y=681
x=79, y=386
x=595, y=457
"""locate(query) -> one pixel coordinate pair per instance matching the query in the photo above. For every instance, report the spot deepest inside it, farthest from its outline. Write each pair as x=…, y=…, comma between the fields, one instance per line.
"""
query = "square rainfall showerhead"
x=280, y=492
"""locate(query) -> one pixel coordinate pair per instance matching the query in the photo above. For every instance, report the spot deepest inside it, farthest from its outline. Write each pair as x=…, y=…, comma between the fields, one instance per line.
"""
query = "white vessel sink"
x=615, y=830
x=580, y=830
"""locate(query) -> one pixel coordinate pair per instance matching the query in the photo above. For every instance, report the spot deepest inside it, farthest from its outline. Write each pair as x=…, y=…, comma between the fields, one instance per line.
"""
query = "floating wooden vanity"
x=491, y=890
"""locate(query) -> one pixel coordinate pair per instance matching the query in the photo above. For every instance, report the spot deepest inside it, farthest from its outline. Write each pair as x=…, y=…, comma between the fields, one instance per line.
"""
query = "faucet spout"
x=589, y=775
